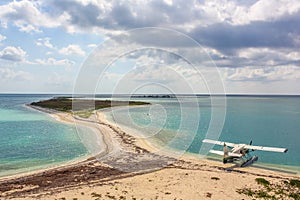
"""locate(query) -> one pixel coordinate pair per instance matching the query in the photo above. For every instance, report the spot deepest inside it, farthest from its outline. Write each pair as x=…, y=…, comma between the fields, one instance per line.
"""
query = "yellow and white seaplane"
x=240, y=151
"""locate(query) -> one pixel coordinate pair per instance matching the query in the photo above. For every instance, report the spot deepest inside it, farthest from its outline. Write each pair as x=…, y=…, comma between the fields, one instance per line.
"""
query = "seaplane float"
x=240, y=151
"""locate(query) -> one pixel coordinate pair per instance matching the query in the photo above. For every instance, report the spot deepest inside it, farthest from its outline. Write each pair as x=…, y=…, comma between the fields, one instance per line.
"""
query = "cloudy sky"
x=251, y=46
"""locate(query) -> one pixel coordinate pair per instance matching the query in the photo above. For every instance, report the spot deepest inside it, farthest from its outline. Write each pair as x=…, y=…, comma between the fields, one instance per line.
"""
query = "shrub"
x=295, y=182
x=262, y=181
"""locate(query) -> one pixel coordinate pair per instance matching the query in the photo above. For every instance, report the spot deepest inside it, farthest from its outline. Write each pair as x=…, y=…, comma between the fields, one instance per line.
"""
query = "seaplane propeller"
x=250, y=143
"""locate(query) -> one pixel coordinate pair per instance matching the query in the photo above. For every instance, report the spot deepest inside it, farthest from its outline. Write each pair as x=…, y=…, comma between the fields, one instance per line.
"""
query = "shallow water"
x=31, y=139
x=182, y=124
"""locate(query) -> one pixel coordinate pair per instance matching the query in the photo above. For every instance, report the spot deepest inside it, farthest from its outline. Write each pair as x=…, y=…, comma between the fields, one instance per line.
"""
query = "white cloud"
x=56, y=79
x=2, y=37
x=28, y=28
x=15, y=54
x=92, y=15
x=72, y=49
x=178, y=77
x=9, y=74
x=268, y=56
x=236, y=13
x=92, y=46
x=55, y=62
x=45, y=42
x=263, y=74
x=29, y=16
x=272, y=9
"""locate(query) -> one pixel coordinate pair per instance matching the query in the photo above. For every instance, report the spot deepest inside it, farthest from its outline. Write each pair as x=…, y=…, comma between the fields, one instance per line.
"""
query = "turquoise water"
x=33, y=140
x=267, y=121
x=30, y=139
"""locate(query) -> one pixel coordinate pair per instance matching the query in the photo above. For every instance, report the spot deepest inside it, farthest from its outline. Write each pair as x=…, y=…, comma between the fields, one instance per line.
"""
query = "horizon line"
x=153, y=94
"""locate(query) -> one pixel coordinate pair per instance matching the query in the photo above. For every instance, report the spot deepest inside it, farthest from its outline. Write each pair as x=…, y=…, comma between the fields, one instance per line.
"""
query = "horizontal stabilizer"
x=221, y=153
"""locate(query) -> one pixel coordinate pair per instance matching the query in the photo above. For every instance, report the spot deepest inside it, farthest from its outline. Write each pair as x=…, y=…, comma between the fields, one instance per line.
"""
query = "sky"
x=177, y=46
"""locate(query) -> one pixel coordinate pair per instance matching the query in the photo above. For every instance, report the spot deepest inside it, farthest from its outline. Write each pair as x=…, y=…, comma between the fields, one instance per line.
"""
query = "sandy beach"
x=131, y=168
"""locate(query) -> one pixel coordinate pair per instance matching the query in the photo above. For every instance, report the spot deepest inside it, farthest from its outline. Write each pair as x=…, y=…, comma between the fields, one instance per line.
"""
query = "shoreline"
x=114, y=165
x=168, y=151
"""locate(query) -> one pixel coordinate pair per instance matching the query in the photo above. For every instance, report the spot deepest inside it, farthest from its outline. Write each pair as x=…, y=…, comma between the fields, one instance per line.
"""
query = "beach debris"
x=215, y=178
x=208, y=195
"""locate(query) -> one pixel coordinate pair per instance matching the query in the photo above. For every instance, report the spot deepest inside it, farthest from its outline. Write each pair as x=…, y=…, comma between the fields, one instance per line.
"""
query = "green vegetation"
x=282, y=190
x=82, y=107
x=295, y=196
x=262, y=181
x=215, y=178
x=295, y=183
x=60, y=104
x=246, y=191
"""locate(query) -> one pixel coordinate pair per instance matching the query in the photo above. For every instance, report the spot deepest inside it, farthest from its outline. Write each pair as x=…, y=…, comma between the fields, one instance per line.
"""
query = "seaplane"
x=240, y=151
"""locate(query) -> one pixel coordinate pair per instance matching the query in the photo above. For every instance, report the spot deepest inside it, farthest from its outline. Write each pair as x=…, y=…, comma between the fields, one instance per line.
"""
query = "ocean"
x=182, y=123
x=33, y=140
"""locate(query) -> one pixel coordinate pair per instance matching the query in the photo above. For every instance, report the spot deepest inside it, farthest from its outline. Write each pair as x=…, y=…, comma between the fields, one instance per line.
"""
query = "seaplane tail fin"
x=225, y=150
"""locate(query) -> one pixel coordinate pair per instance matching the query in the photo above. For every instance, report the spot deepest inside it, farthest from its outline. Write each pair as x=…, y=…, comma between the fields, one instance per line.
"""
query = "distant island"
x=82, y=107
x=155, y=96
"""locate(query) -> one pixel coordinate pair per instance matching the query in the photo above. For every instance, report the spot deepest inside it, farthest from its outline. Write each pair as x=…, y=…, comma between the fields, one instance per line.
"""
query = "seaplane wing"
x=219, y=142
x=245, y=146
x=221, y=153
x=261, y=148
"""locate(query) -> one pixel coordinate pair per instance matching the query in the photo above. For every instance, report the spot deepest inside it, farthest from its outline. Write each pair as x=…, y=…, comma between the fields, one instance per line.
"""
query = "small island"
x=82, y=107
x=69, y=104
